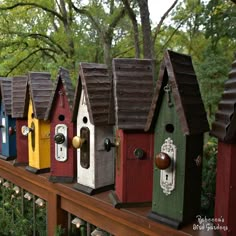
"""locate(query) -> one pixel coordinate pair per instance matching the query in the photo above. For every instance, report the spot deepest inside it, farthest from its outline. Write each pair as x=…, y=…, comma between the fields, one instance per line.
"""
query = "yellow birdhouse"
x=38, y=130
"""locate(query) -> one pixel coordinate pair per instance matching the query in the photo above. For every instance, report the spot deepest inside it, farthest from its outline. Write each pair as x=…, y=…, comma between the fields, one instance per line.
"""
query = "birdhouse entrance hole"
x=170, y=128
x=61, y=117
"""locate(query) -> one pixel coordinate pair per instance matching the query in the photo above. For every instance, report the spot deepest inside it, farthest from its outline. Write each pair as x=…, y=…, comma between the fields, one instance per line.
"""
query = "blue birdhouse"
x=7, y=123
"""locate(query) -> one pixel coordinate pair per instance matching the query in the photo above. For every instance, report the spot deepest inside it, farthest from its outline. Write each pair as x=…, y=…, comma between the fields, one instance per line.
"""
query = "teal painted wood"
x=172, y=205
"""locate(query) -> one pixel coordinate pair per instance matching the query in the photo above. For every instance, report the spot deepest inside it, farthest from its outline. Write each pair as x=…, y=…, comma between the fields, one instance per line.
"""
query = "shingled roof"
x=94, y=79
x=40, y=87
x=6, y=88
x=19, y=96
x=177, y=70
x=224, y=126
x=64, y=77
x=133, y=90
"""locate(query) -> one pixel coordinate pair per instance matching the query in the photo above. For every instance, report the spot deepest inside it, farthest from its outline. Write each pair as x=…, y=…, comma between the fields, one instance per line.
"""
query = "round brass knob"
x=77, y=142
x=162, y=161
x=59, y=138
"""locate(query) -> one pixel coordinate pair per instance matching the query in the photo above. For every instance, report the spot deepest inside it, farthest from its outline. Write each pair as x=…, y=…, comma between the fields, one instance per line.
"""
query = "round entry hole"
x=61, y=117
x=170, y=128
x=85, y=119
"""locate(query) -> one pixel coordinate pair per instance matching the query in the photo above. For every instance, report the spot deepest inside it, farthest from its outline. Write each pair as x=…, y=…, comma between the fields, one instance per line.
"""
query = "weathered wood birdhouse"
x=224, y=128
x=178, y=118
x=38, y=130
x=62, y=129
x=133, y=89
x=95, y=165
x=8, y=124
x=20, y=100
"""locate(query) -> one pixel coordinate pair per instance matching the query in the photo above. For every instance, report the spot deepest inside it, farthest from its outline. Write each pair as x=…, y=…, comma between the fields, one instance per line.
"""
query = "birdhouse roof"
x=19, y=96
x=6, y=87
x=94, y=79
x=133, y=90
x=40, y=87
x=64, y=77
x=224, y=126
x=177, y=71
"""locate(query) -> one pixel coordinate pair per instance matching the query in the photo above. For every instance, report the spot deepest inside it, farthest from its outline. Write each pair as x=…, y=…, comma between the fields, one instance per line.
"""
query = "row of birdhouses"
x=114, y=131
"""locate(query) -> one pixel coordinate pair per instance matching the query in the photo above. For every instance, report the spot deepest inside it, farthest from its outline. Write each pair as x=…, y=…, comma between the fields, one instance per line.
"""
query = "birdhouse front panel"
x=92, y=157
x=38, y=130
x=178, y=118
x=131, y=187
x=8, y=123
x=133, y=89
x=20, y=101
x=62, y=130
x=95, y=165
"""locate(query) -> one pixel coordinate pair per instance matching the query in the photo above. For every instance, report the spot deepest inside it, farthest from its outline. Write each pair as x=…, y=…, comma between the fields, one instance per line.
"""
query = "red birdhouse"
x=62, y=129
x=133, y=89
x=19, y=111
x=224, y=128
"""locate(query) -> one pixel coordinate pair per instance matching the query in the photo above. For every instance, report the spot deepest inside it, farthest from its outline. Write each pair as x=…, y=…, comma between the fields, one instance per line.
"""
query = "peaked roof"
x=133, y=90
x=177, y=70
x=94, y=79
x=6, y=88
x=40, y=88
x=19, y=96
x=64, y=77
x=224, y=126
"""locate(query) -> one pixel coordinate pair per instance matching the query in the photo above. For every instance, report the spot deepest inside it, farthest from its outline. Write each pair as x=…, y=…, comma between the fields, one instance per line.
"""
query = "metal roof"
x=20, y=98
x=177, y=70
x=97, y=84
x=224, y=126
x=133, y=90
x=64, y=77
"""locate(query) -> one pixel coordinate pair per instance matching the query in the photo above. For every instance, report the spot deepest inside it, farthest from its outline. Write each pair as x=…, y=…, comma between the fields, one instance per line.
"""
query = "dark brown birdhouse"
x=92, y=106
x=20, y=99
x=178, y=119
x=224, y=128
x=62, y=129
x=133, y=90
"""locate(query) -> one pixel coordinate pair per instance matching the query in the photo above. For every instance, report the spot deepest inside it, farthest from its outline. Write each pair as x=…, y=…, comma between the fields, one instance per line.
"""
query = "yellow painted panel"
x=39, y=141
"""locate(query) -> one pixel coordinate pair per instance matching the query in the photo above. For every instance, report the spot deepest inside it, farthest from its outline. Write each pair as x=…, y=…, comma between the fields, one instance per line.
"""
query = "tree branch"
x=157, y=30
x=19, y=4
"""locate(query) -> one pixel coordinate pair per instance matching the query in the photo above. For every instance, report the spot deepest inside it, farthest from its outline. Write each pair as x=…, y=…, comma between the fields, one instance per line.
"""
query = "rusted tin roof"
x=6, y=88
x=133, y=90
x=94, y=79
x=20, y=98
x=64, y=77
x=224, y=126
x=177, y=71
x=40, y=87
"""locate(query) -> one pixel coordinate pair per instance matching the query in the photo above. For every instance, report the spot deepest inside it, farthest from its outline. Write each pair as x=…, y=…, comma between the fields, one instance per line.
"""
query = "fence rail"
x=64, y=204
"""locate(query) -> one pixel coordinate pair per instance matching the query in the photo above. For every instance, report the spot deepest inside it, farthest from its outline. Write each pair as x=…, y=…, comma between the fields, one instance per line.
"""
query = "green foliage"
x=17, y=216
x=209, y=178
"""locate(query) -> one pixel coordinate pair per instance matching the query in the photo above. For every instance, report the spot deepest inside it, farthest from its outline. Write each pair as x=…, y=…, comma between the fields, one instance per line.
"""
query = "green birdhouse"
x=178, y=119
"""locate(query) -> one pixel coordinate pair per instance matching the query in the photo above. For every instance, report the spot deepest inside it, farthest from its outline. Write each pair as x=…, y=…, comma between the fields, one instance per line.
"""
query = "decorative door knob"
x=77, y=142
x=108, y=144
x=162, y=160
x=59, y=138
x=26, y=130
x=11, y=130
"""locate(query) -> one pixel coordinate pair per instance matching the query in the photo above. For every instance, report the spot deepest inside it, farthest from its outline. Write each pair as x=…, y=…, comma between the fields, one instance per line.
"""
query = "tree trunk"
x=146, y=29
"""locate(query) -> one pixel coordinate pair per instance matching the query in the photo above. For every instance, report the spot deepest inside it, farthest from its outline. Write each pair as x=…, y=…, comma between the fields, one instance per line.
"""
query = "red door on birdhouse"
x=224, y=128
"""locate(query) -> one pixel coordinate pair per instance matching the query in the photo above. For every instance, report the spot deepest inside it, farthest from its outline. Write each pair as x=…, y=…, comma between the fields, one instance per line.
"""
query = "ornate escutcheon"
x=167, y=174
